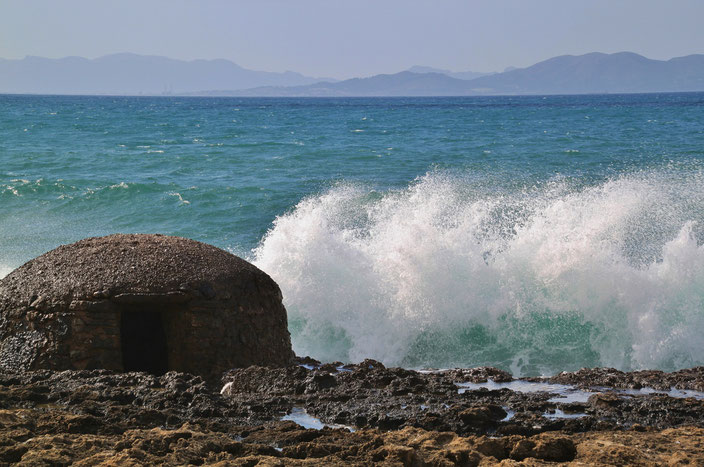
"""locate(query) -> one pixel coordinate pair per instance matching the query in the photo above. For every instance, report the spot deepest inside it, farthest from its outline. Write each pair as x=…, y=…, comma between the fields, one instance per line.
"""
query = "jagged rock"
x=141, y=302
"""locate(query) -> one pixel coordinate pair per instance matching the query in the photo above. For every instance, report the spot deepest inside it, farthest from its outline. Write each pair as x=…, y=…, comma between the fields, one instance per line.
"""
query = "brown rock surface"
x=87, y=305
x=285, y=444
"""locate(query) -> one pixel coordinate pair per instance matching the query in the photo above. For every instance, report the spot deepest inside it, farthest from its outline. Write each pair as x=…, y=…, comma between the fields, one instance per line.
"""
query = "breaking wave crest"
x=455, y=271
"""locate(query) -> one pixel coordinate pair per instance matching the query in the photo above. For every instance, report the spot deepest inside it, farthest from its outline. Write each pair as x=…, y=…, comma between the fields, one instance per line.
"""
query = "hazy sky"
x=344, y=38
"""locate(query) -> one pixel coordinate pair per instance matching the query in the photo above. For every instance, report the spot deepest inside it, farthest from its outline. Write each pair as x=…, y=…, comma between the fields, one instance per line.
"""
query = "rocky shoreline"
x=362, y=414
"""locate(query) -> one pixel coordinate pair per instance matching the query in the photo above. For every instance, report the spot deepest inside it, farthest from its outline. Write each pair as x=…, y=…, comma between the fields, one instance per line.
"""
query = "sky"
x=346, y=38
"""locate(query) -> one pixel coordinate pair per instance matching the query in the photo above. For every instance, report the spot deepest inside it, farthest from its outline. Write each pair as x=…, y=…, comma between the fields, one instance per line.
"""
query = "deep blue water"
x=532, y=233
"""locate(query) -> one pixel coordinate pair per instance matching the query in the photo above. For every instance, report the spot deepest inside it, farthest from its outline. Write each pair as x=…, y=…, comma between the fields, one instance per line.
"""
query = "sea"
x=536, y=234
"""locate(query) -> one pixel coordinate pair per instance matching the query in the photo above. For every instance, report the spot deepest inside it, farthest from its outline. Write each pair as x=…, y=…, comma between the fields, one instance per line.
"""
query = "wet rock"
x=481, y=375
x=482, y=416
x=604, y=400
x=690, y=378
x=394, y=398
x=319, y=381
x=136, y=418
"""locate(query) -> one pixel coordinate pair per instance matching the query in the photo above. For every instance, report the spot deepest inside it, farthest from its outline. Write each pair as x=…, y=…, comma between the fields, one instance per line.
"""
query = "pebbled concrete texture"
x=63, y=310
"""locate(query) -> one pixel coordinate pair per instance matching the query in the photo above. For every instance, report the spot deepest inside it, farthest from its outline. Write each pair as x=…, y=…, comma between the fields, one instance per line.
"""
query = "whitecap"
x=180, y=198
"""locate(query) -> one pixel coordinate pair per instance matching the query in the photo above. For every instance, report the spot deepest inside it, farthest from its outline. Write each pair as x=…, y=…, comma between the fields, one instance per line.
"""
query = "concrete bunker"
x=141, y=303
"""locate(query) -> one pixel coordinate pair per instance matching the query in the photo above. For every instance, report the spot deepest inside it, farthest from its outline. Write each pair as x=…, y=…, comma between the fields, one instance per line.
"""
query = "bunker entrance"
x=143, y=342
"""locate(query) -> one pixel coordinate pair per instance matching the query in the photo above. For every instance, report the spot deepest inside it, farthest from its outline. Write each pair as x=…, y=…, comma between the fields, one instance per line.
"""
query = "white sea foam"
x=451, y=271
x=180, y=198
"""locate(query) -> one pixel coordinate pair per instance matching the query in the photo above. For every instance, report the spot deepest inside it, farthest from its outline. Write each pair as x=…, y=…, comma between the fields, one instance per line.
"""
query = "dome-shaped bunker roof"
x=141, y=303
x=128, y=265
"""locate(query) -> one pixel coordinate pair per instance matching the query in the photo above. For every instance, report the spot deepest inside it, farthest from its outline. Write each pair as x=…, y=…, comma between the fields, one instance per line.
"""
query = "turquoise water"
x=537, y=234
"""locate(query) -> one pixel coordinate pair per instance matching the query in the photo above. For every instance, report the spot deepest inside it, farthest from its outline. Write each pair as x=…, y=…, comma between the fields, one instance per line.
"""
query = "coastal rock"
x=101, y=417
x=689, y=378
x=369, y=396
x=481, y=375
x=141, y=303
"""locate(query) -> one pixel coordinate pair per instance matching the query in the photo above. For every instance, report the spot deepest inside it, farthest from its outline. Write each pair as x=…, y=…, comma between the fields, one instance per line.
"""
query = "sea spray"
x=453, y=270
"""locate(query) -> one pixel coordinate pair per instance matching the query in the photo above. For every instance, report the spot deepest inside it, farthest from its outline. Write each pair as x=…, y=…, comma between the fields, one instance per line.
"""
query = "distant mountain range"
x=592, y=73
x=129, y=74
x=404, y=83
x=452, y=74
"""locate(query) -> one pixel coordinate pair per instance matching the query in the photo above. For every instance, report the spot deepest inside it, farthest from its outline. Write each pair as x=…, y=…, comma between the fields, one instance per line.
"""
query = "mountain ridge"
x=465, y=75
x=133, y=74
x=596, y=72
x=593, y=73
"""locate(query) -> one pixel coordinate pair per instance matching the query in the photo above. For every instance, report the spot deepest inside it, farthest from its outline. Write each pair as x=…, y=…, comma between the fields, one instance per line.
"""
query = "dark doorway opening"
x=143, y=342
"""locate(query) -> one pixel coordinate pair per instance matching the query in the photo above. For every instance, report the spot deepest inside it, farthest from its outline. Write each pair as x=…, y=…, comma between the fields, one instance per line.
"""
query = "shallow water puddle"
x=568, y=394
x=509, y=414
x=676, y=393
x=299, y=416
x=340, y=369
x=558, y=414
